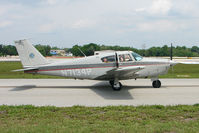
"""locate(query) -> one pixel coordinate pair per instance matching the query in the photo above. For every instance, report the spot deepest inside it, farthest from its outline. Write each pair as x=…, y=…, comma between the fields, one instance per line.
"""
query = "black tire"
x=111, y=82
x=156, y=84
x=117, y=88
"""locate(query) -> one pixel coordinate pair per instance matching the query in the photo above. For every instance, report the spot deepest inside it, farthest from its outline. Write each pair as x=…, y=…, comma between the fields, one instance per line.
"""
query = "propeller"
x=173, y=63
x=171, y=52
x=171, y=56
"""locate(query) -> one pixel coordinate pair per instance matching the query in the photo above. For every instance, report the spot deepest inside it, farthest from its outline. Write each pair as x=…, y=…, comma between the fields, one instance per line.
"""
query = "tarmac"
x=69, y=92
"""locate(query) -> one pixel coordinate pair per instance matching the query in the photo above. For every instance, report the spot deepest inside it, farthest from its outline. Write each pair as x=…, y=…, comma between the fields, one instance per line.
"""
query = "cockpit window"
x=108, y=59
x=137, y=56
x=125, y=58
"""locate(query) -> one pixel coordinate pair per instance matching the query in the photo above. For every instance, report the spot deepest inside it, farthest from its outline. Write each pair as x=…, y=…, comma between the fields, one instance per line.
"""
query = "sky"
x=134, y=23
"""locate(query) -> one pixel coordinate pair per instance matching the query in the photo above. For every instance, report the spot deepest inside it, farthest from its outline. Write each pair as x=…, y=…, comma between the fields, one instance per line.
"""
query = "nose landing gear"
x=156, y=84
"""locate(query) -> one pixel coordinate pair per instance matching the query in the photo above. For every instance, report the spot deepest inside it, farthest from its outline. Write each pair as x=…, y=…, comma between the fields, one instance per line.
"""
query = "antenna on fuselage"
x=82, y=52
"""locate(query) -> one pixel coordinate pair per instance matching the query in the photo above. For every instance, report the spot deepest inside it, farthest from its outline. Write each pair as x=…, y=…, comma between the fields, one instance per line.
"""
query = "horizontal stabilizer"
x=26, y=69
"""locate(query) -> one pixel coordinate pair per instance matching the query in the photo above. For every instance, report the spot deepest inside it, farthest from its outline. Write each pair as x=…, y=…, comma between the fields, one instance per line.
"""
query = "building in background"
x=69, y=54
x=58, y=52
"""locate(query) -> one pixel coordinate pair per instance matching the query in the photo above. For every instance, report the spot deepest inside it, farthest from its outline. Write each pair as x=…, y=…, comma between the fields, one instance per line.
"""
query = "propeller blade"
x=171, y=52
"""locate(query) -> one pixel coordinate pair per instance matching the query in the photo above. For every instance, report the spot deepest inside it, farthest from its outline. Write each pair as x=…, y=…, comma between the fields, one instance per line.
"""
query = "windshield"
x=137, y=56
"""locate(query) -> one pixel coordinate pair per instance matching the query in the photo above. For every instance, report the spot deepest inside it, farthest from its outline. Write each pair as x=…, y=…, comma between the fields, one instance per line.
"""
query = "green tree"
x=75, y=50
x=55, y=48
x=89, y=49
x=43, y=49
x=195, y=49
x=8, y=50
x=1, y=49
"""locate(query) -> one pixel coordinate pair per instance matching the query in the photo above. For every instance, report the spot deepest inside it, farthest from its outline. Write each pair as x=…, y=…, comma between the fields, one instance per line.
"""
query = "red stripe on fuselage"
x=90, y=67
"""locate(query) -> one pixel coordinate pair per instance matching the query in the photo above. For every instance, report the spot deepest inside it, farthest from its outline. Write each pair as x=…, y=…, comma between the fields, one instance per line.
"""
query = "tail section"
x=29, y=55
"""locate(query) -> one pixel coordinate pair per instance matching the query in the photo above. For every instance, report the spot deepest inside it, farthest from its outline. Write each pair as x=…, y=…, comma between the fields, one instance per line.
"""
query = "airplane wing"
x=131, y=69
x=121, y=72
x=125, y=71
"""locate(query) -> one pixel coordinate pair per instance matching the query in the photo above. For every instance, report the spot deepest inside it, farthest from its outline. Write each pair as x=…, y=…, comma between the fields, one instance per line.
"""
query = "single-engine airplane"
x=112, y=66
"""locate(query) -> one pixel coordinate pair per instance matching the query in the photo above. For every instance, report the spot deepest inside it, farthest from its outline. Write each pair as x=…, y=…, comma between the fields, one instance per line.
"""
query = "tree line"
x=180, y=51
x=89, y=49
x=11, y=50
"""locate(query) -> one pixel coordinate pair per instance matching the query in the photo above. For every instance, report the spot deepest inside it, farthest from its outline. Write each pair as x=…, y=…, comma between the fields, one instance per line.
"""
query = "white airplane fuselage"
x=93, y=68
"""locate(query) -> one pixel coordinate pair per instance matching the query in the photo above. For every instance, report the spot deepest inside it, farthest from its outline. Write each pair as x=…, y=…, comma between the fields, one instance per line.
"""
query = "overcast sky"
x=64, y=23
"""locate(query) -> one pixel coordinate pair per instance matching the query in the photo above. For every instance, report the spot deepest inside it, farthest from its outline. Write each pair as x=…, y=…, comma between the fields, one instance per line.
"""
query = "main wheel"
x=111, y=82
x=117, y=87
x=156, y=84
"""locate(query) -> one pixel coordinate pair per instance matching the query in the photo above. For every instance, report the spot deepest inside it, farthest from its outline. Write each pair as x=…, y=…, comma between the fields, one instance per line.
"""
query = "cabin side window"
x=125, y=58
x=108, y=59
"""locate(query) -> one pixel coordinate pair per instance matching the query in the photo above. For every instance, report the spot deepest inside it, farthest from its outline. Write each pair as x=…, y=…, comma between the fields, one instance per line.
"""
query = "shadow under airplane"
x=102, y=89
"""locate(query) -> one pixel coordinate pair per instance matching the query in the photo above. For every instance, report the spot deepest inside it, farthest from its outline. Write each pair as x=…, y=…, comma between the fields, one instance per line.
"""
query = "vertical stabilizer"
x=29, y=55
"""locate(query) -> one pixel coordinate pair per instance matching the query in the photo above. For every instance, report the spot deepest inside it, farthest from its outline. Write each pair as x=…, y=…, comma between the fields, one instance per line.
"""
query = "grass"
x=179, y=71
x=112, y=119
x=183, y=71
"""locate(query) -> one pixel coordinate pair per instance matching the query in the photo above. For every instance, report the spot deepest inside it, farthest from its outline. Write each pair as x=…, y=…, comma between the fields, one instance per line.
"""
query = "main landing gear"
x=116, y=85
x=156, y=84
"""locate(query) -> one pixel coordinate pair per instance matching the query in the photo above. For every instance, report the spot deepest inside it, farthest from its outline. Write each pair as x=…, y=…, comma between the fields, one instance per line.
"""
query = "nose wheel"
x=156, y=84
x=116, y=86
